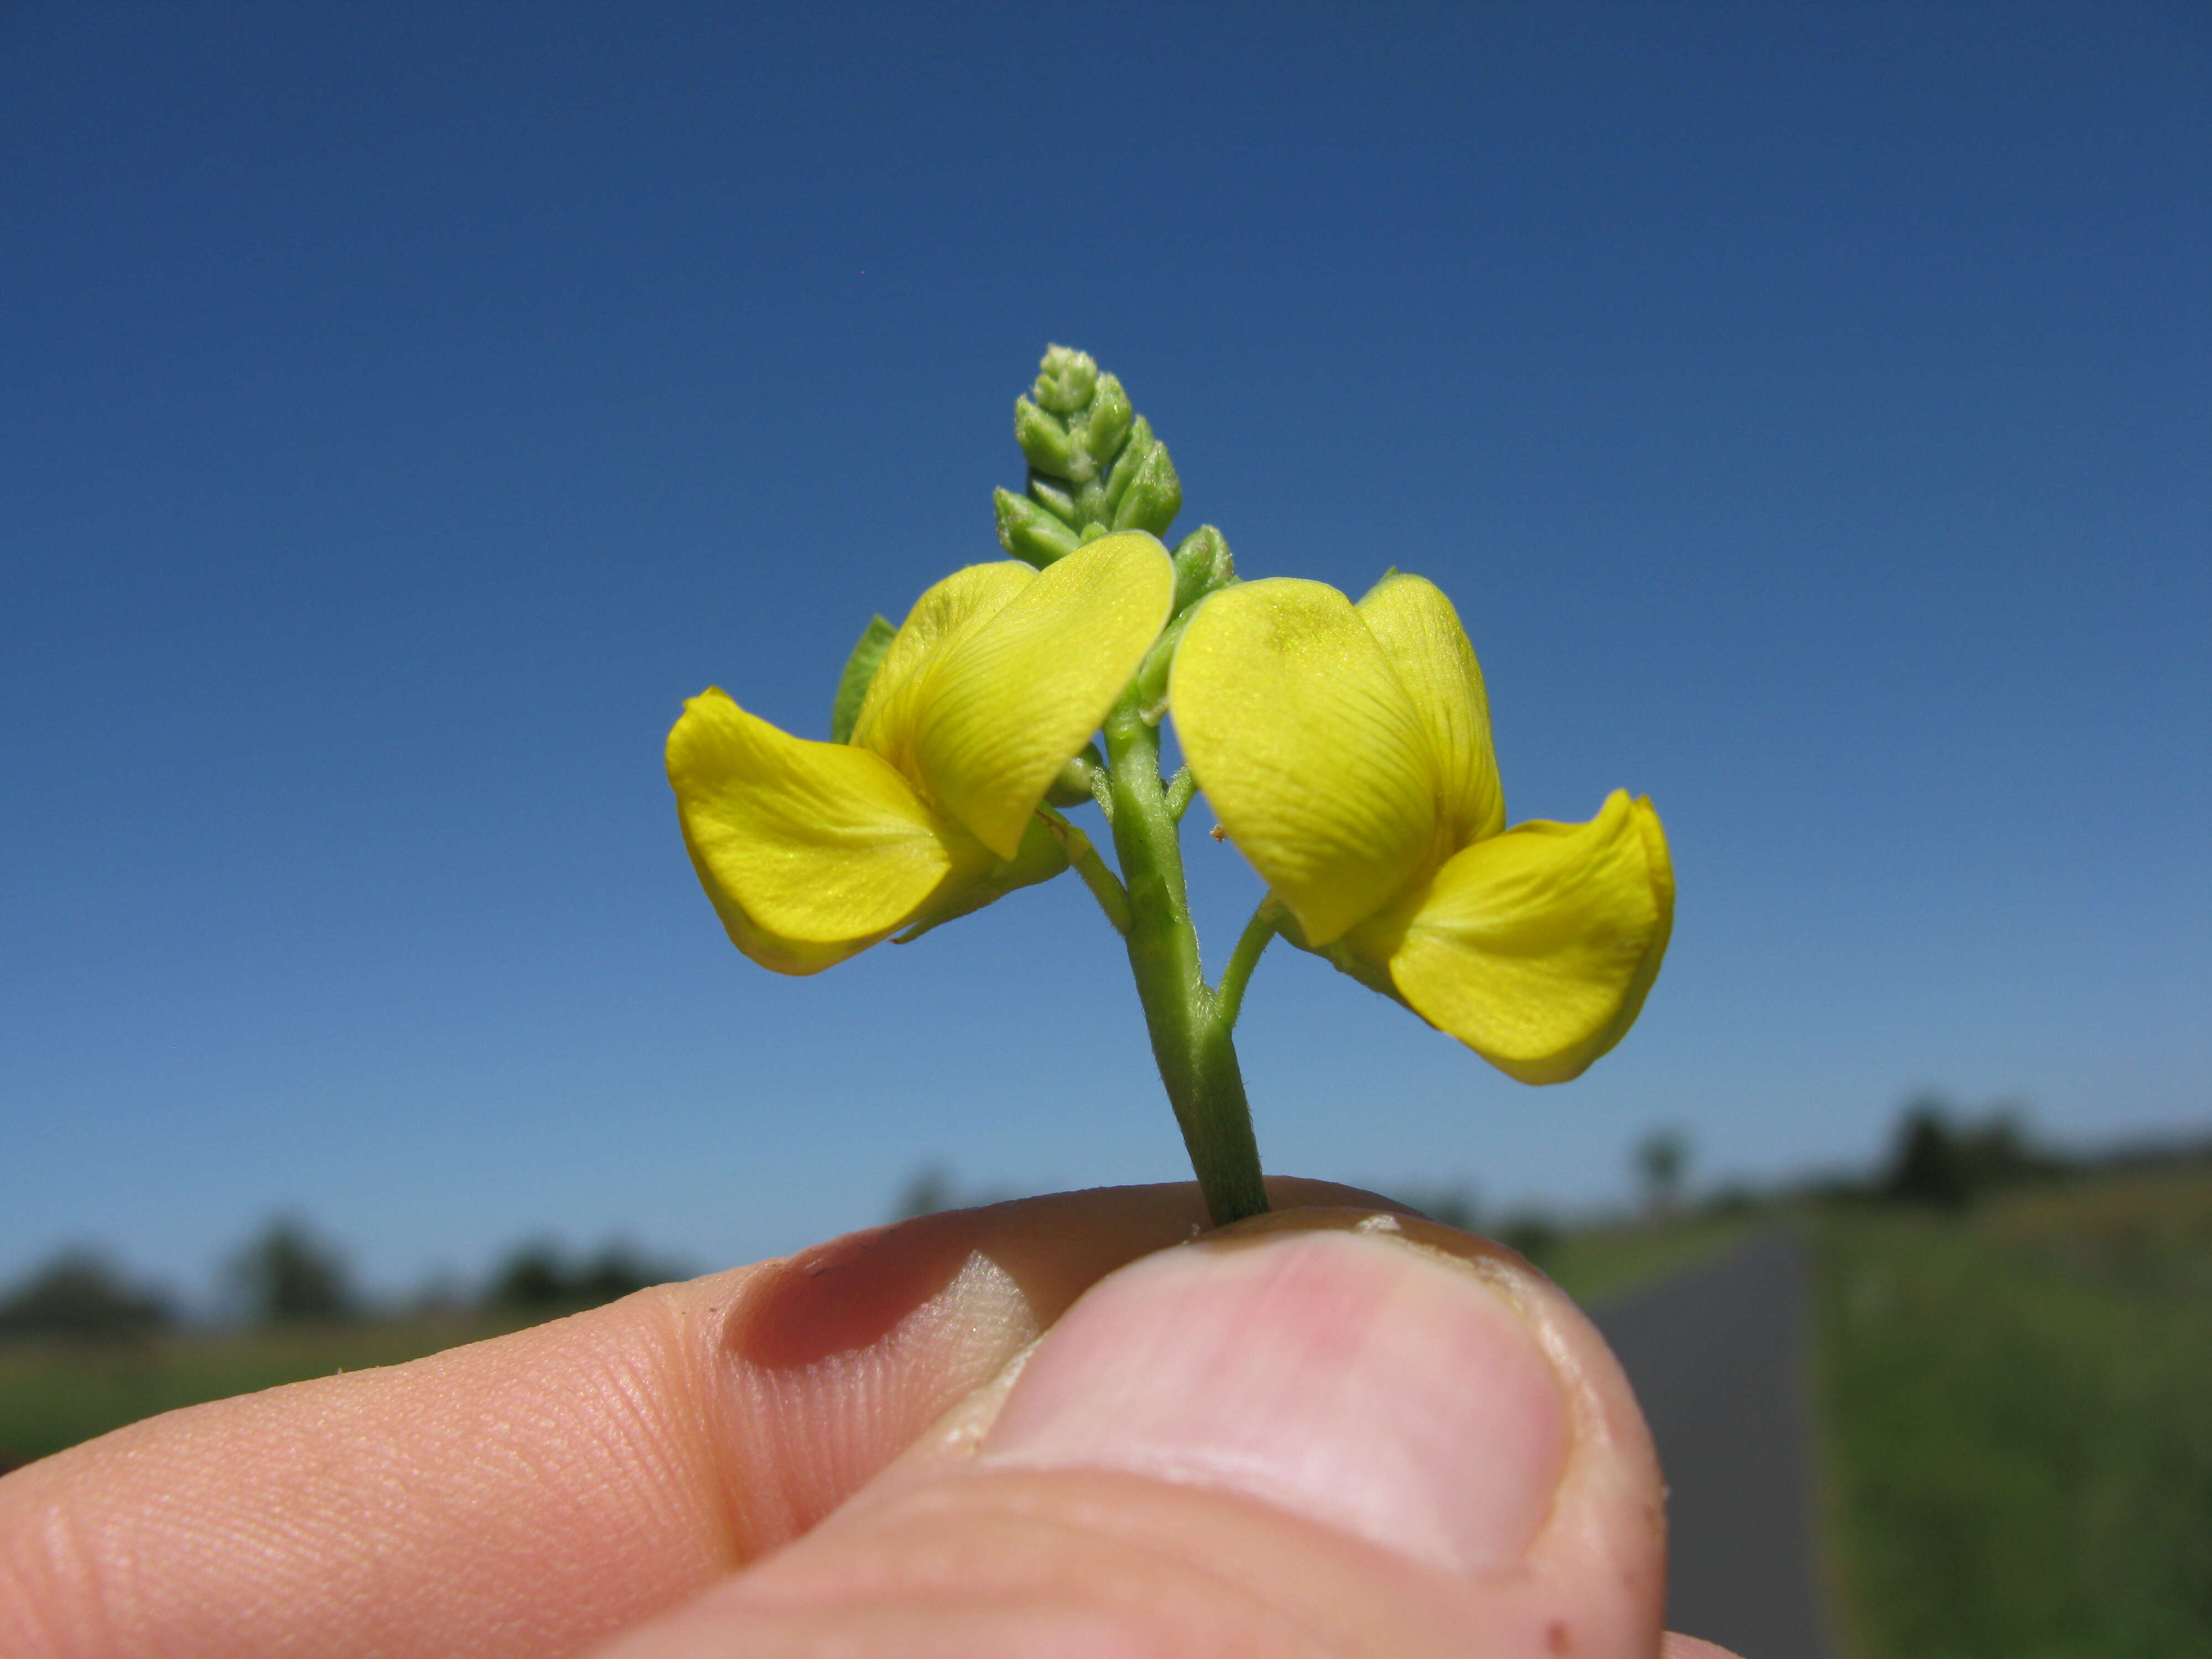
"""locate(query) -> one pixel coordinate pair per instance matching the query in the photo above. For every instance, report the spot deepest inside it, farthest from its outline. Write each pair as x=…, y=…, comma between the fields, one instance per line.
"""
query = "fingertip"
x=1677, y=1646
x=1332, y=1429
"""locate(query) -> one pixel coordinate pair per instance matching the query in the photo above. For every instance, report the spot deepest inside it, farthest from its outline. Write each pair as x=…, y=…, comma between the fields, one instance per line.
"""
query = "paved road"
x=1717, y=1353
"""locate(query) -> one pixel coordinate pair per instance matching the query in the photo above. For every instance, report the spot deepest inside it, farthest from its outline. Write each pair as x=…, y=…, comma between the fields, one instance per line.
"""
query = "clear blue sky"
x=403, y=408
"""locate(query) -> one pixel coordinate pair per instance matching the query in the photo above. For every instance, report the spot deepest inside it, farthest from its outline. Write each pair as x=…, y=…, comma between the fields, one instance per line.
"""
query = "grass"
x=53, y=1394
x=1594, y=1264
x=2018, y=1418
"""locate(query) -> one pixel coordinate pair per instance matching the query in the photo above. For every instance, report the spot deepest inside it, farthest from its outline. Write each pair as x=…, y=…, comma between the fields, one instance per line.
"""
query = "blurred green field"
x=2018, y=1406
x=55, y=1393
x=1594, y=1264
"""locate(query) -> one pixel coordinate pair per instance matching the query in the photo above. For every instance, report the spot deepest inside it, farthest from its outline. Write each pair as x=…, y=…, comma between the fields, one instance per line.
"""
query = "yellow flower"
x=1346, y=752
x=812, y=852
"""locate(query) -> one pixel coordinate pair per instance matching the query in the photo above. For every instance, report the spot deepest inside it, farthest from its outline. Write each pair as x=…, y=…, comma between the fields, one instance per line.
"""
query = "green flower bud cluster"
x=1095, y=465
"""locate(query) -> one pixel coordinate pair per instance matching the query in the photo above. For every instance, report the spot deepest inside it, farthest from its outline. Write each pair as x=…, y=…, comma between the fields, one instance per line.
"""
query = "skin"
x=864, y=1448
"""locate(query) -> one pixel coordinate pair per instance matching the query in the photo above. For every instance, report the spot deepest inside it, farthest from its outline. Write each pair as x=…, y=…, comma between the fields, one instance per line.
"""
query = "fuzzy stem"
x=1229, y=1001
x=1105, y=886
x=1191, y=1045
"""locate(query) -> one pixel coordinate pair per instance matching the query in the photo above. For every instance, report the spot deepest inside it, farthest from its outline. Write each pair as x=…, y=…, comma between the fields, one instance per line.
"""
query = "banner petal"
x=1308, y=749
x=1420, y=634
x=944, y=615
x=1005, y=703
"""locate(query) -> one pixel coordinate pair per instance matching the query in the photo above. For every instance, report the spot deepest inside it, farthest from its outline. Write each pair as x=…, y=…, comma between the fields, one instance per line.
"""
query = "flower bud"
x=1054, y=499
x=1139, y=444
x=1154, y=495
x=1201, y=564
x=1044, y=440
x=1105, y=427
x=1152, y=672
x=1029, y=533
x=1067, y=379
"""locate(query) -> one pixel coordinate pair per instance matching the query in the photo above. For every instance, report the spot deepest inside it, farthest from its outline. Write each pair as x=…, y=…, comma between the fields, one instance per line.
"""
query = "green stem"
x=1112, y=898
x=1190, y=1044
x=1229, y=1001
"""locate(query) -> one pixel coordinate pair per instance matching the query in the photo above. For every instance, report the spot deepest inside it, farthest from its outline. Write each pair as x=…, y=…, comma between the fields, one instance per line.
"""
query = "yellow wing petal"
x=811, y=852
x=1002, y=705
x=1308, y=749
x=951, y=609
x=1536, y=947
x=1420, y=634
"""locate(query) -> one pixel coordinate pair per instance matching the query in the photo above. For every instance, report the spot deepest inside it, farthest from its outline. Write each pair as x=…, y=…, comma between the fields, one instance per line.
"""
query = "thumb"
x=1324, y=1431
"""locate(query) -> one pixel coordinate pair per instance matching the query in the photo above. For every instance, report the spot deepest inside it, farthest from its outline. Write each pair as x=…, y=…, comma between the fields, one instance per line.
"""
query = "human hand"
x=1336, y=1429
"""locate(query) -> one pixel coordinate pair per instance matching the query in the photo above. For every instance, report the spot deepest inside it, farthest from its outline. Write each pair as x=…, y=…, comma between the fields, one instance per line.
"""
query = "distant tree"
x=1536, y=1236
x=618, y=1271
x=441, y=1294
x=1662, y=1160
x=1454, y=1206
x=533, y=1276
x=927, y=1190
x=538, y=1277
x=290, y=1276
x=2000, y=1152
x=80, y=1294
x=1928, y=1163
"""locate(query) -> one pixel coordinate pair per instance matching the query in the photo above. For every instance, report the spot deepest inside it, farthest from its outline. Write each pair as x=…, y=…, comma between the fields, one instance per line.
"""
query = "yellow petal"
x=811, y=851
x=963, y=601
x=1004, y=702
x=1309, y=748
x=1536, y=947
x=1420, y=634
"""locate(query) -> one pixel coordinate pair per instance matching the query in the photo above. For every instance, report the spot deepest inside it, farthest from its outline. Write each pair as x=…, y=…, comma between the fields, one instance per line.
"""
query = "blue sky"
x=403, y=408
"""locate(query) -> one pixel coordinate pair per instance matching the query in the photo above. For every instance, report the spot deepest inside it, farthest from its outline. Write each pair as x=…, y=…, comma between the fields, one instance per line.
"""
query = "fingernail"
x=1340, y=1374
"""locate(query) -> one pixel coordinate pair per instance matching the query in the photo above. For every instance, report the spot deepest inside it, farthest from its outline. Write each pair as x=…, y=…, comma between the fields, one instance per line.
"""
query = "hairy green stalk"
x=1191, y=1040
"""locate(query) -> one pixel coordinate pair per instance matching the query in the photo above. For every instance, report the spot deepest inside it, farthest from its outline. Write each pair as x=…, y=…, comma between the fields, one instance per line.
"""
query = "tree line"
x=1939, y=1157
x=289, y=1274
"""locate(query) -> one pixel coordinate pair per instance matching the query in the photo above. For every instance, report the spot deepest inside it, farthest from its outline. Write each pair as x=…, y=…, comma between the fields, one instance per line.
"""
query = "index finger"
x=531, y=1494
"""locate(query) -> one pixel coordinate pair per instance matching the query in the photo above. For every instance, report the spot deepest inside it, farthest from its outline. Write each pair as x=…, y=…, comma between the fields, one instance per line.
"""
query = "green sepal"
x=1375, y=975
x=1029, y=531
x=1075, y=783
x=1039, y=857
x=860, y=673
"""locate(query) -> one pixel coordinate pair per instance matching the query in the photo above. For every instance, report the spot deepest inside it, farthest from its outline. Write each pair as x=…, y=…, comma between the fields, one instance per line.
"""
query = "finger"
x=1692, y=1647
x=1329, y=1431
x=530, y=1494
